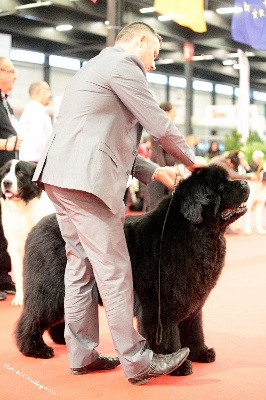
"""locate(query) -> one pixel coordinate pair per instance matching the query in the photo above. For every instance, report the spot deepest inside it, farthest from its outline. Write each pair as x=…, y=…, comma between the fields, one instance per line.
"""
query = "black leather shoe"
x=161, y=364
x=8, y=287
x=2, y=295
x=101, y=363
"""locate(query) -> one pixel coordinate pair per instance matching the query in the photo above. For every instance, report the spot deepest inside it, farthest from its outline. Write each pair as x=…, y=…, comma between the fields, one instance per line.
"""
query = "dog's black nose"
x=243, y=183
x=7, y=184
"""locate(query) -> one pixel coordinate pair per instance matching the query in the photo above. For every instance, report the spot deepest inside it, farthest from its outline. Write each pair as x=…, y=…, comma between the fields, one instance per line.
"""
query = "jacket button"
x=128, y=172
x=135, y=153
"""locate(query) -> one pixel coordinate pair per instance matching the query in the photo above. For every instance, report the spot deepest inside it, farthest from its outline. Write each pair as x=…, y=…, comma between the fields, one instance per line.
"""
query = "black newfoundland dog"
x=177, y=253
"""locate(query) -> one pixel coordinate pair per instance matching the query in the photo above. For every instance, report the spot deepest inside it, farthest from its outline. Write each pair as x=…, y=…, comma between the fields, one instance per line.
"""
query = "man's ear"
x=141, y=39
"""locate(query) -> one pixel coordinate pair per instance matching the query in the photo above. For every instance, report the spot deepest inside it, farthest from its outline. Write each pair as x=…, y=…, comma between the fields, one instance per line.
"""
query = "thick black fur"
x=181, y=242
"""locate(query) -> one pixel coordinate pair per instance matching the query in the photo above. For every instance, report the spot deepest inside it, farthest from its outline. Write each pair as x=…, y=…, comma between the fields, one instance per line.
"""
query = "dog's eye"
x=20, y=173
x=221, y=186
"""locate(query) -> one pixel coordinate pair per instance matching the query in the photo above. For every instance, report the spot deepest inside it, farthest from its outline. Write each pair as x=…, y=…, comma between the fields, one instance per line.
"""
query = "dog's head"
x=209, y=195
x=16, y=181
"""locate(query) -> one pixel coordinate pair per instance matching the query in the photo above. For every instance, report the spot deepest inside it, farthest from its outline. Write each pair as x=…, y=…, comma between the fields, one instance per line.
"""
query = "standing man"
x=85, y=169
x=35, y=125
x=9, y=144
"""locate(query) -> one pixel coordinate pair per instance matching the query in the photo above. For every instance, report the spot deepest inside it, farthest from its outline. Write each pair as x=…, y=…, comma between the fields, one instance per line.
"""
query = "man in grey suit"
x=84, y=169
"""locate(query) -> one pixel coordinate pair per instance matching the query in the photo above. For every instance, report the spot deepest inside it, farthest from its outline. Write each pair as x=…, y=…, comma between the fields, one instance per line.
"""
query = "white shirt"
x=35, y=127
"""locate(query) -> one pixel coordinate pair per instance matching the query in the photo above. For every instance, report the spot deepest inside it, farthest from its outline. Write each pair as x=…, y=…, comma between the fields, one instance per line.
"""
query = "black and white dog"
x=23, y=204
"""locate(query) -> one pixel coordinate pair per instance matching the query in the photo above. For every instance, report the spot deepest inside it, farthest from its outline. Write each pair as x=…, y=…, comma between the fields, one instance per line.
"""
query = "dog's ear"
x=192, y=212
x=192, y=203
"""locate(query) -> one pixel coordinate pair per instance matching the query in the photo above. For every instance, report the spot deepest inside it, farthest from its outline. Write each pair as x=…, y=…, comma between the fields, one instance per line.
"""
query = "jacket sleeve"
x=129, y=83
x=144, y=169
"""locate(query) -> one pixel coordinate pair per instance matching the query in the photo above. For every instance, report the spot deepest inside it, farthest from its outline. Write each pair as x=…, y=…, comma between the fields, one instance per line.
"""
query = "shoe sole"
x=88, y=371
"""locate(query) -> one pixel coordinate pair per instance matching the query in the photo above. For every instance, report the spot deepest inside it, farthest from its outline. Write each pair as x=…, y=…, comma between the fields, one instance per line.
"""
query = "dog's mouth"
x=11, y=196
x=229, y=212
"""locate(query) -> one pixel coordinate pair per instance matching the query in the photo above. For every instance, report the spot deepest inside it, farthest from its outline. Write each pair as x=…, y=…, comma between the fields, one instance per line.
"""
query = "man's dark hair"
x=166, y=106
x=134, y=29
x=233, y=157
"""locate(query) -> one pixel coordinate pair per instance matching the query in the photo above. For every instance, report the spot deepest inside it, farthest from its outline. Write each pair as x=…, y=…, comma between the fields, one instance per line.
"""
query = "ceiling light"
x=147, y=10
x=164, y=61
x=236, y=66
x=165, y=17
x=107, y=23
x=203, y=57
x=33, y=5
x=250, y=54
x=229, y=62
x=62, y=28
x=229, y=10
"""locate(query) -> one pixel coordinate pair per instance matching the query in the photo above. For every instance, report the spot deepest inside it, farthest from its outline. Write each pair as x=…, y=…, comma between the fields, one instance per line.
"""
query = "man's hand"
x=169, y=176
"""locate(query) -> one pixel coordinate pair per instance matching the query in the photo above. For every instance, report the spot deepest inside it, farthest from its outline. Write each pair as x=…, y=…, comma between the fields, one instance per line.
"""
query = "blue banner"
x=249, y=25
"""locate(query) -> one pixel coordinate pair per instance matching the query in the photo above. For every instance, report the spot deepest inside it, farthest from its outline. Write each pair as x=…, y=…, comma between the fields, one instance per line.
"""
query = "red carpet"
x=235, y=325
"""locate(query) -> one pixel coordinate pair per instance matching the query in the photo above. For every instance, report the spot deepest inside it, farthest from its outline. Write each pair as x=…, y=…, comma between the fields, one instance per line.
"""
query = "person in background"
x=35, y=125
x=84, y=170
x=244, y=167
x=257, y=196
x=9, y=145
x=156, y=190
x=230, y=161
x=194, y=143
x=257, y=161
x=144, y=148
x=135, y=189
x=213, y=149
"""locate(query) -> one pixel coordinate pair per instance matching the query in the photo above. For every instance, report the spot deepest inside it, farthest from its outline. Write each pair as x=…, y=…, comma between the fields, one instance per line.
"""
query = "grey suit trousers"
x=96, y=251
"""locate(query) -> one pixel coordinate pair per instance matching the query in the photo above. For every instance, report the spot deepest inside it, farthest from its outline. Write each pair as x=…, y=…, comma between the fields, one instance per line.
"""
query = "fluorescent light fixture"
x=233, y=55
x=248, y=54
x=147, y=10
x=203, y=57
x=27, y=56
x=64, y=62
x=62, y=28
x=33, y=5
x=229, y=10
x=164, y=61
x=165, y=17
x=229, y=62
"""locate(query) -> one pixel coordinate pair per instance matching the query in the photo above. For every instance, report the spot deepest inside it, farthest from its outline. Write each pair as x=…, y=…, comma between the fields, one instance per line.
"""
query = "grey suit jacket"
x=95, y=138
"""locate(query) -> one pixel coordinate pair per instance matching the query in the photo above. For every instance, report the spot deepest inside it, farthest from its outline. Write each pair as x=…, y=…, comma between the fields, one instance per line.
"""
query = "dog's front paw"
x=184, y=369
x=42, y=352
x=203, y=355
x=17, y=300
